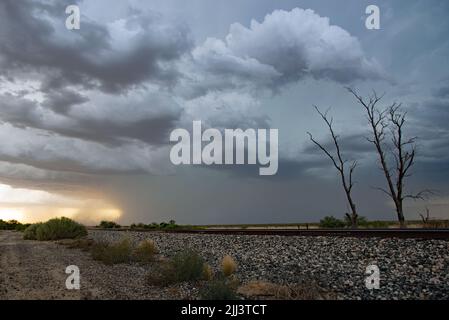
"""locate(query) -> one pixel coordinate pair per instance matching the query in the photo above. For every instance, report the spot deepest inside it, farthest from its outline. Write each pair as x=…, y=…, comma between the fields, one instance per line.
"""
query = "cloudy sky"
x=85, y=115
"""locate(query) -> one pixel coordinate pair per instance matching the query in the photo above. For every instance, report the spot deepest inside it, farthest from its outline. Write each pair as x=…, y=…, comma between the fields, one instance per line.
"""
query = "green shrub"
x=115, y=253
x=108, y=225
x=184, y=266
x=145, y=251
x=331, y=222
x=218, y=289
x=161, y=275
x=30, y=232
x=22, y=227
x=60, y=228
x=188, y=265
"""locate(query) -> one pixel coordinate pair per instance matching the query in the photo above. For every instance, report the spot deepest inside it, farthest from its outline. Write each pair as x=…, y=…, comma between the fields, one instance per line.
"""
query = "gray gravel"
x=409, y=268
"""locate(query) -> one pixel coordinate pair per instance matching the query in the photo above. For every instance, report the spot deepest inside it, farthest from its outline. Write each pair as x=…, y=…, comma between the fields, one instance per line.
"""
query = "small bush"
x=30, y=232
x=161, y=275
x=228, y=266
x=115, y=253
x=188, y=265
x=331, y=222
x=22, y=227
x=184, y=266
x=108, y=225
x=60, y=228
x=145, y=251
x=218, y=290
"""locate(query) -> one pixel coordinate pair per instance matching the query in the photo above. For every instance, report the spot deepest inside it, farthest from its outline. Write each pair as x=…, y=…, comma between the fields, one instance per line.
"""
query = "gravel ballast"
x=409, y=268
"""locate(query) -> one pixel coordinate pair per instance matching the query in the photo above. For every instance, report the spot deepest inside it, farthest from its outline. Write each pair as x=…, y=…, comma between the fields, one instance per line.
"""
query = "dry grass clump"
x=119, y=252
x=272, y=291
x=208, y=273
x=145, y=251
x=228, y=266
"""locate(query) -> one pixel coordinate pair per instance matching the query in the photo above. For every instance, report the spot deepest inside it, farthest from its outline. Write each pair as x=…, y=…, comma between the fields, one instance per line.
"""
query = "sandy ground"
x=31, y=270
x=36, y=270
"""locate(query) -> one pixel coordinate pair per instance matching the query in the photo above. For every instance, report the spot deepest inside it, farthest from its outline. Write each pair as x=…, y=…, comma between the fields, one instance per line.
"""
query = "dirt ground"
x=31, y=270
x=36, y=270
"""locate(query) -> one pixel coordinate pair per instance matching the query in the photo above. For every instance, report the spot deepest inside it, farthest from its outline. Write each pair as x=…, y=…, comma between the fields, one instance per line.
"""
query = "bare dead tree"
x=402, y=150
x=425, y=218
x=346, y=171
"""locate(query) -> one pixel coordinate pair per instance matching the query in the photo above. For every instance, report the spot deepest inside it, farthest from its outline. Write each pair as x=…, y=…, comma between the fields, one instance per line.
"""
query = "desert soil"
x=36, y=270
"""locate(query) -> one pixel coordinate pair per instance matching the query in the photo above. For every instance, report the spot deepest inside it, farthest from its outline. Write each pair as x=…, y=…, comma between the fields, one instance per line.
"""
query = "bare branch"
x=339, y=162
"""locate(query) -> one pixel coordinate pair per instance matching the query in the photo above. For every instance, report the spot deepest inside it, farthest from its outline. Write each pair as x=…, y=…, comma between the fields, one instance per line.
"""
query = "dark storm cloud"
x=61, y=100
x=33, y=38
x=443, y=92
x=433, y=112
x=94, y=107
x=150, y=127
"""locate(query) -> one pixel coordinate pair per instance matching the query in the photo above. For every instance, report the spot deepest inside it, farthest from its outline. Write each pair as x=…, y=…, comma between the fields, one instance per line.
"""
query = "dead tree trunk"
x=402, y=150
x=340, y=165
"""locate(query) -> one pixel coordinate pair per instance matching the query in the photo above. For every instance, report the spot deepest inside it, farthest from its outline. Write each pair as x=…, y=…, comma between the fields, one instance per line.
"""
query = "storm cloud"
x=90, y=111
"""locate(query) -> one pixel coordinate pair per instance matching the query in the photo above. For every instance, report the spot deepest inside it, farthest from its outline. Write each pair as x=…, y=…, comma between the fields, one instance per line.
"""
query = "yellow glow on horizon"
x=11, y=214
x=31, y=206
x=87, y=215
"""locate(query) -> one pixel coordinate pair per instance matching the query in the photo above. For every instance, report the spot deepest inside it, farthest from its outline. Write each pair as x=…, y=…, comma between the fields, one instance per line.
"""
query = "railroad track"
x=360, y=233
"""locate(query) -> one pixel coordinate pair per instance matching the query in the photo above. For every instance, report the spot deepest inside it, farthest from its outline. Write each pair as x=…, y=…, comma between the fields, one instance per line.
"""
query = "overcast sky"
x=85, y=115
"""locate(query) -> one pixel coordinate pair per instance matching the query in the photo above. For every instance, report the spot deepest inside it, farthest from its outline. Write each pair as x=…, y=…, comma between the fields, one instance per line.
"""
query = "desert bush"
x=187, y=265
x=22, y=227
x=331, y=222
x=119, y=252
x=60, y=228
x=30, y=232
x=145, y=251
x=161, y=275
x=218, y=289
x=108, y=225
x=228, y=266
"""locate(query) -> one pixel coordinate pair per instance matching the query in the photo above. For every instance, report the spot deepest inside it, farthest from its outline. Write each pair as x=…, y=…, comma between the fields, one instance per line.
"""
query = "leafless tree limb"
x=340, y=164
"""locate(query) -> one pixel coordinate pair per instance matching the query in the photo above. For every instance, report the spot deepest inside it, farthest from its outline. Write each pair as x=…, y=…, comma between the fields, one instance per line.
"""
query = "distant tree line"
x=141, y=226
x=13, y=225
